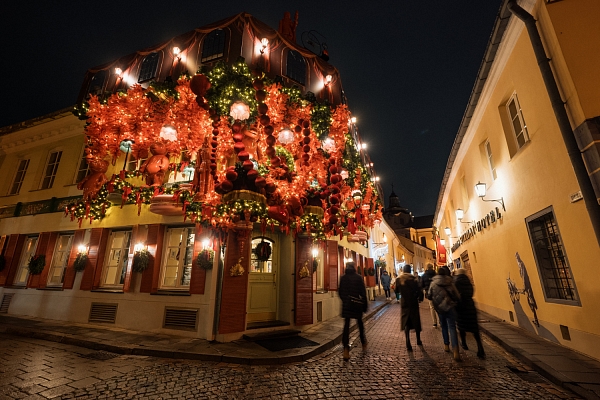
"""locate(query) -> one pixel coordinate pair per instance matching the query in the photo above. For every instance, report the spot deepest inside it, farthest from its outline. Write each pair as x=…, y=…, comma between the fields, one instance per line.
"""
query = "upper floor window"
x=51, y=168
x=60, y=259
x=176, y=272
x=213, y=46
x=83, y=169
x=115, y=263
x=149, y=67
x=551, y=258
x=517, y=121
x=22, y=270
x=296, y=67
x=490, y=159
x=98, y=82
x=19, y=177
x=134, y=163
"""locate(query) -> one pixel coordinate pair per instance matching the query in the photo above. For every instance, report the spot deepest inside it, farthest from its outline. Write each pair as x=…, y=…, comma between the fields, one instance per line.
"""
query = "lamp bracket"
x=500, y=200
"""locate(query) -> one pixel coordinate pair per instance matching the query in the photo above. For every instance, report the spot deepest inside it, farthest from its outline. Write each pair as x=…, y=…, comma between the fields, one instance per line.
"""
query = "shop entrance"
x=262, y=280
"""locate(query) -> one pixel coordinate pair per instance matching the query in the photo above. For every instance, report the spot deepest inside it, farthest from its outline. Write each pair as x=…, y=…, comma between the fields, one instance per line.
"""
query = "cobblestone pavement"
x=35, y=369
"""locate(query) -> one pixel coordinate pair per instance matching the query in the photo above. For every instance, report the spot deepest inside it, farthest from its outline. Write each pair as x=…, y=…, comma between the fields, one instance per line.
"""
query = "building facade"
x=517, y=206
x=175, y=197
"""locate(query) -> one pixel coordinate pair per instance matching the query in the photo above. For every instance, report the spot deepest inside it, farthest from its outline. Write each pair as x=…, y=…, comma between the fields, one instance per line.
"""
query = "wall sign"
x=491, y=218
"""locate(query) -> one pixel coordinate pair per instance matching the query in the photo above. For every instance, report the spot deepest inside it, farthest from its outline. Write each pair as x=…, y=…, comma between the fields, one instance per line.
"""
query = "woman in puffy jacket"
x=444, y=296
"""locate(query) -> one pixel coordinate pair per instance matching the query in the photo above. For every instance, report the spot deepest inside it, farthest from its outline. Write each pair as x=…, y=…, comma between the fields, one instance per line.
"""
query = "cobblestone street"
x=35, y=369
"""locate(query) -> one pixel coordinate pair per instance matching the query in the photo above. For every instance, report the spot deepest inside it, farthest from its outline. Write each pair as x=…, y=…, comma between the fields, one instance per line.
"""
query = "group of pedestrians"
x=450, y=302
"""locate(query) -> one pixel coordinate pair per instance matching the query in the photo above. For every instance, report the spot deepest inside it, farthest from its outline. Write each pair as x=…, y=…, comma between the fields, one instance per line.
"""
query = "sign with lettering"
x=477, y=226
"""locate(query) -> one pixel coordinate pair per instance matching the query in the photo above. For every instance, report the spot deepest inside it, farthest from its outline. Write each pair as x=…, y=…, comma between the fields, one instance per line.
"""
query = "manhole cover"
x=100, y=355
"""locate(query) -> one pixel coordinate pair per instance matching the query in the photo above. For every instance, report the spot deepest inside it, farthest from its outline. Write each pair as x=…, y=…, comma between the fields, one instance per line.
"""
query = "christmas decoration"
x=141, y=260
x=79, y=263
x=206, y=259
x=36, y=264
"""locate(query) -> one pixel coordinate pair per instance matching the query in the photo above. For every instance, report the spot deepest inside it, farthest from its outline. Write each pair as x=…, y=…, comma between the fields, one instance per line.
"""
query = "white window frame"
x=82, y=161
x=14, y=180
x=490, y=159
x=174, y=267
x=259, y=267
x=519, y=115
x=55, y=166
x=60, y=259
x=117, y=258
x=28, y=251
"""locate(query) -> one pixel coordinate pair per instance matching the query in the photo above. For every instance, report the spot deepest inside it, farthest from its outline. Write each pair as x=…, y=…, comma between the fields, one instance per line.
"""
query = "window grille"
x=214, y=45
x=149, y=67
x=296, y=67
x=551, y=257
x=19, y=177
x=517, y=121
x=51, y=168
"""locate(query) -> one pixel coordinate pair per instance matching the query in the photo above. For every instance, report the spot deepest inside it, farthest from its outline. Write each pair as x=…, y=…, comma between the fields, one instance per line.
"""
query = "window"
x=28, y=252
x=115, y=264
x=551, y=258
x=97, y=83
x=490, y=159
x=134, y=163
x=423, y=241
x=179, y=255
x=84, y=169
x=60, y=258
x=213, y=46
x=517, y=121
x=296, y=67
x=51, y=168
x=264, y=263
x=149, y=67
x=19, y=177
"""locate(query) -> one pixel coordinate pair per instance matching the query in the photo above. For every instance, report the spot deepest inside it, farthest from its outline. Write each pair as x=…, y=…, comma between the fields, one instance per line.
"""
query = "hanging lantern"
x=168, y=132
x=285, y=136
x=328, y=145
x=344, y=174
x=240, y=111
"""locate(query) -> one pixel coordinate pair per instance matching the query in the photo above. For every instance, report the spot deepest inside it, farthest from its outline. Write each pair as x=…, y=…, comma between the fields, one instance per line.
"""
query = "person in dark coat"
x=410, y=295
x=353, y=293
x=466, y=313
x=444, y=296
x=426, y=281
x=386, y=279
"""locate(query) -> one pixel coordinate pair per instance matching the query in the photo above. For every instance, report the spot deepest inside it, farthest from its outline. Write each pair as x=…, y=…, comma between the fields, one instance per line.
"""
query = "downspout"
x=560, y=112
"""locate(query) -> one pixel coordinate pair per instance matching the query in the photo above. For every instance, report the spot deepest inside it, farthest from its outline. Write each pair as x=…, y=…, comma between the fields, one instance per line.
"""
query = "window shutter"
x=368, y=265
x=12, y=255
x=69, y=280
x=50, y=246
x=93, y=269
x=304, y=293
x=34, y=280
x=235, y=288
x=331, y=262
x=154, y=241
x=198, y=279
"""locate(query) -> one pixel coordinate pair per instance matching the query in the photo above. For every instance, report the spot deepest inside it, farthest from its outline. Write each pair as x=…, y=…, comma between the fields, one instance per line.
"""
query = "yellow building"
x=532, y=244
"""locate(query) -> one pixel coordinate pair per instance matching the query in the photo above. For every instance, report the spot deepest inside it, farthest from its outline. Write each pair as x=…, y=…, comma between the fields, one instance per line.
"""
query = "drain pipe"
x=587, y=191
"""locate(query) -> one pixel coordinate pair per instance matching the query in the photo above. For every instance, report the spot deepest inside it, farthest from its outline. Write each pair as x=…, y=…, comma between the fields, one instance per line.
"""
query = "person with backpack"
x=445, y=297
x=426, y=281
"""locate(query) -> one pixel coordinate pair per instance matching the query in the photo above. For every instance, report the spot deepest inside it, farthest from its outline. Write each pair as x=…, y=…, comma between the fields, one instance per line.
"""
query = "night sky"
x=407, y=67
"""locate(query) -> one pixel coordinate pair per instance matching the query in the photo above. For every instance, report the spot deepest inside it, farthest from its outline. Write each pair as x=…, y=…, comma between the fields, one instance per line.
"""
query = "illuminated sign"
x=491, y=218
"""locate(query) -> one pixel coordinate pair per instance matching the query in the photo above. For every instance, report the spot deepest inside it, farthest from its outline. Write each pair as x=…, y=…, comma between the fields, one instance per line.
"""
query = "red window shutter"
x=154, y=241
x=370, y=278
x=49, y=253
x=304, y=292
x=12, y=255
x=198, y=278
x=34, y=280
x=341, y=260
x=69, y=280
x=232, y=317
x=331, y=262
x=93, y=269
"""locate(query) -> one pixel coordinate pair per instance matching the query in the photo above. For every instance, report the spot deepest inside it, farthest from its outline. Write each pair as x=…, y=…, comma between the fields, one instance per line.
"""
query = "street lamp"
x=480, y=189
x=460, y=215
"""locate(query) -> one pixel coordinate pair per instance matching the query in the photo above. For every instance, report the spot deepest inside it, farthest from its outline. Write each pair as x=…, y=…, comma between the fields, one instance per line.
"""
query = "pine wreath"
x=141, y=260
x=36, y=264
x=371, y=271
x=79, y=263
x=206, y=259
x=263, y=251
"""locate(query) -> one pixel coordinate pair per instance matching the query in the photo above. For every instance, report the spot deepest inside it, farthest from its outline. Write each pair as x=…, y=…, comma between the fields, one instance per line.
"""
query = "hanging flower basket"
x=141, y=260
x=2, y=262
x=79, y=263
x=206, y=259
x=263, y=251
x=36, y=264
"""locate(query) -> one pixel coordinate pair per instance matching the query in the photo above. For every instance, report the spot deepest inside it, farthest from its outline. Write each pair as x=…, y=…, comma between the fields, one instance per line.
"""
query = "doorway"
x=262, y=280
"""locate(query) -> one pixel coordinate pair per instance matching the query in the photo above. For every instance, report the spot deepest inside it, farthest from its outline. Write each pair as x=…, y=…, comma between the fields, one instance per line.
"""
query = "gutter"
x=558, y=105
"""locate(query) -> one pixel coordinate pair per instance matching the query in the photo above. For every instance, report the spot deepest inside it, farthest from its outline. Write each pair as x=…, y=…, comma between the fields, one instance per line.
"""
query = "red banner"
x=441, y=251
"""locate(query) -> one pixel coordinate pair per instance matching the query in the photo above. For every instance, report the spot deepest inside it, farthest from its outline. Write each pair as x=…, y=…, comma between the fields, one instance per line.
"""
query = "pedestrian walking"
x=386, y=280
x=426, y=281
x=411, y=294
x=444, y=296
x=353, y=293
x=466, y=313
x=397, y=288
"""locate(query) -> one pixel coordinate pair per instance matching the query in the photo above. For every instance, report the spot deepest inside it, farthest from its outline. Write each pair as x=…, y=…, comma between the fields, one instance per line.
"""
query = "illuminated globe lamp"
x=344, y=174
x=286, y=136
x=168, y=132
x=239, y=111
x=328, y=145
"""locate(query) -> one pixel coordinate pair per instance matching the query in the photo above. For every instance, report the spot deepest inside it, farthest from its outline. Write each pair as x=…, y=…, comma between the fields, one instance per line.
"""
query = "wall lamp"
x=264, y=42
x=447, y=231
x=328, y=80
x=480, y=189
x=459, y=216
x=176, y=52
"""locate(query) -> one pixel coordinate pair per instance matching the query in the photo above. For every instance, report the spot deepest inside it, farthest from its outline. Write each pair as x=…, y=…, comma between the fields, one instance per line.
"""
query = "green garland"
x=79, y=263
x=320, y=119
x=36, y=264
x=230, y=83
x=141, y=260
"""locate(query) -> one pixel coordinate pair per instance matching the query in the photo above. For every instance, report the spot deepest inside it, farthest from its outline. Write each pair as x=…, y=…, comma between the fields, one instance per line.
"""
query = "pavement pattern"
x=37, y=369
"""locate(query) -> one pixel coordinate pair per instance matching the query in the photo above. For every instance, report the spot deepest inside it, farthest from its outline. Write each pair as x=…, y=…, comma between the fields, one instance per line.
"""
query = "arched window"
x=261, y=259
x=149, y=67
x=296, y=67
x=213, y=46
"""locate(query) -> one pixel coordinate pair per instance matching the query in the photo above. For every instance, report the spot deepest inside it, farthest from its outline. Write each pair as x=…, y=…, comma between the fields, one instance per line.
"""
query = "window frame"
x=490, y=159
x=63, y=262
x=181, y=265
x=24, y=261
x=82, y=160
x=123, y=262
x=217, y=49
x=558, y=245
x=149, y=72
x=294, y=74
x=47, y=165
x=519, y=115
x=14, y=180
x=253, y=258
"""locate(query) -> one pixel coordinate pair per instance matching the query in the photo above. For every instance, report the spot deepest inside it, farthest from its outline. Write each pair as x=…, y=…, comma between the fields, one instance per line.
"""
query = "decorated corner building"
x=213, y=184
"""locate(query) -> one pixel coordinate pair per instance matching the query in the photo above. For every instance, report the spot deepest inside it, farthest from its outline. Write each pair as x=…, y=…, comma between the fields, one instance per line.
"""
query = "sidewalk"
x=562, y=366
